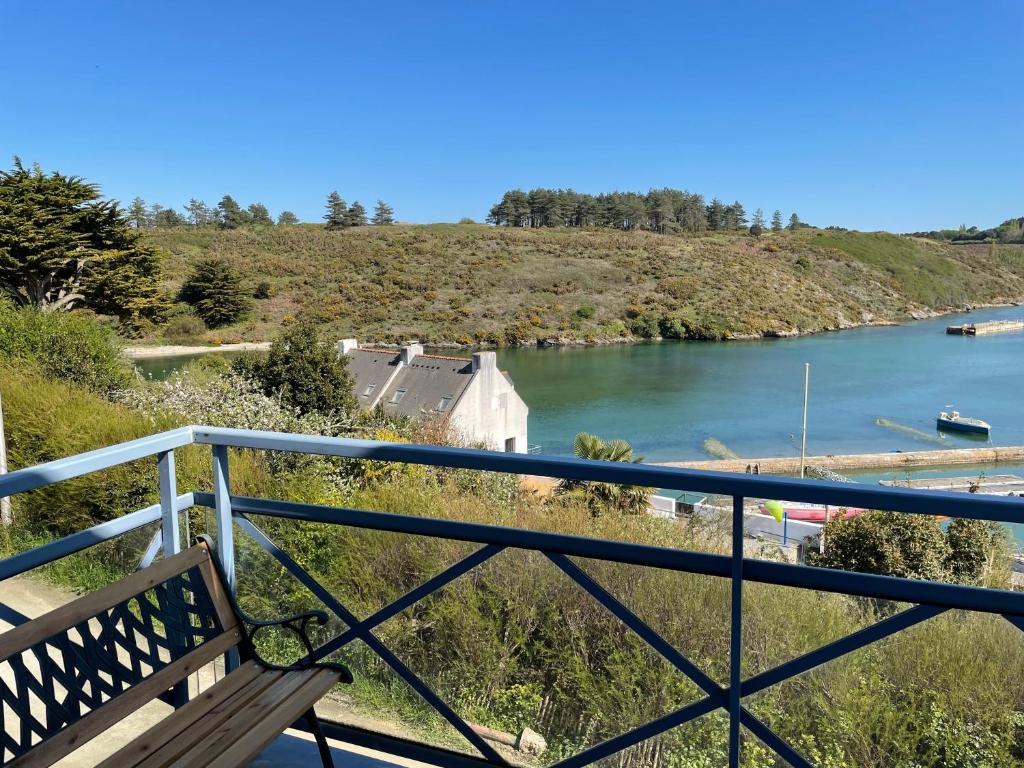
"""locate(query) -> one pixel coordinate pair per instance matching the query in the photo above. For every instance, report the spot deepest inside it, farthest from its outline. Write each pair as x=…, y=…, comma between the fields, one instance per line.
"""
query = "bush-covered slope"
x=476, y=284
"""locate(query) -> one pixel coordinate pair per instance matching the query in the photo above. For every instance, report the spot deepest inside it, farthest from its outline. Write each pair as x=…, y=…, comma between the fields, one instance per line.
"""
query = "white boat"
x=952, y=421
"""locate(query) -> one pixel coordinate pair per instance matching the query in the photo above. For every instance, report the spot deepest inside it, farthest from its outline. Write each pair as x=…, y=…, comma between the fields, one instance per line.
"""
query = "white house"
x=479, y=402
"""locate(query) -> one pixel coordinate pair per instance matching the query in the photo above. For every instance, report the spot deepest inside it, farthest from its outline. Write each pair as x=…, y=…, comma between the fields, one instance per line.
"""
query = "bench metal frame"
x=929, y=598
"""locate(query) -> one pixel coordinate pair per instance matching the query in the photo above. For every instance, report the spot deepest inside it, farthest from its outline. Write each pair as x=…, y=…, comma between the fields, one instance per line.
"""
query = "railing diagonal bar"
x=826, y=653
x=638, y=625
x=425, y=589
x=151, y=550
x=372, y=641
x=647, y=731
x=773, y=740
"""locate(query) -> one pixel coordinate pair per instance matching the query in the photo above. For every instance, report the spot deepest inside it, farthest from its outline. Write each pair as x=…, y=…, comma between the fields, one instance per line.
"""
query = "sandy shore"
x=171, y=350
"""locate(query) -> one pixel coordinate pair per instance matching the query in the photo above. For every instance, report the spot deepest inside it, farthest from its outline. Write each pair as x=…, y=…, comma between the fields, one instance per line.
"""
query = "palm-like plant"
x=599, y=496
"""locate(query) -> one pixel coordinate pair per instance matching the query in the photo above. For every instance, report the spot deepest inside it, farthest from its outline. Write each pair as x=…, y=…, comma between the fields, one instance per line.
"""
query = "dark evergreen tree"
x=303, y=371
x=61, y=245
x=356, y=215
x=216, y=293
x=716, y=214
x=167, y=217
x=198, y=213
x=383, y=214
x=737, y=215
x=287, y=218
x=137, y=215
x=794, y=222
x=777, y=221
x=337, y=212
x=258, y=214
x=231, y=214
x=758, y=219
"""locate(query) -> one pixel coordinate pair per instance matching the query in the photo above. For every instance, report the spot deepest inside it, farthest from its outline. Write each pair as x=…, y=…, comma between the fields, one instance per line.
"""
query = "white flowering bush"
x=231, y=400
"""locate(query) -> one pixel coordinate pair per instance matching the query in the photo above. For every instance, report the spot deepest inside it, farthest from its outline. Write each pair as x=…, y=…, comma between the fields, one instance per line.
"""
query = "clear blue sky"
x=870, y=114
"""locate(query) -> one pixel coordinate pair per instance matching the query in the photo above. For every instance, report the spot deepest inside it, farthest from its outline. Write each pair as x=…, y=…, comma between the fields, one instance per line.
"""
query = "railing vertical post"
x=171, y=536
x=736, y=634
x=225, y=530
x=168, y=507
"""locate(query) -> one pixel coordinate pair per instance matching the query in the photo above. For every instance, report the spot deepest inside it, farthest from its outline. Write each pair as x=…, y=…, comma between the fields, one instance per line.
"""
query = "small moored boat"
x=953, y=422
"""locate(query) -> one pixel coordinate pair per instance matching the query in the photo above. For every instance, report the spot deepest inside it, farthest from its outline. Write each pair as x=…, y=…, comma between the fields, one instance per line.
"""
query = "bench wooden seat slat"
x=99, y=659
x=253, y=717
x=247, y=741
x=195, y=714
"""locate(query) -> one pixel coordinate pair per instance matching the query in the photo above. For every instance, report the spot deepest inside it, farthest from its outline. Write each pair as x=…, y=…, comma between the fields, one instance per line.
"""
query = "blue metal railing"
x=930, y=598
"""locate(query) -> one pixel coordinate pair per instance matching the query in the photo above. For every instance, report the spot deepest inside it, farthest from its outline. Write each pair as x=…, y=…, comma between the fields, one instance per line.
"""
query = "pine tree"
x=356, y=216
x=716, y=214
x=287, y=218
x=216, y=293
x=61, y=245
x=137, y=215
x=337, y=212
x=777, y=221
x=794, y=222
x=231, y=214
x=383, y=214
x=739, y=215
x=198, y=213
x=758, y=219
x=259, y=214
x=167, y=217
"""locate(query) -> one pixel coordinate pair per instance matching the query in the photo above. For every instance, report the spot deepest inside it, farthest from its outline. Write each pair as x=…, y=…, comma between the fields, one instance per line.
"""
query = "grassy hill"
x=476, y=284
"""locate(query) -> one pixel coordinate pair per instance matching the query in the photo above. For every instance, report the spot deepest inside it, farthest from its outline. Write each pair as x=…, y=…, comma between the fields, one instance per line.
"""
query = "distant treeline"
x=660, y=210
x=228, y=214
x=1010, y=231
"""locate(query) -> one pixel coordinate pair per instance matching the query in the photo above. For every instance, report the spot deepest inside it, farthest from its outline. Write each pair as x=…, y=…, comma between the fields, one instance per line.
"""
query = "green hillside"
x=477, y=284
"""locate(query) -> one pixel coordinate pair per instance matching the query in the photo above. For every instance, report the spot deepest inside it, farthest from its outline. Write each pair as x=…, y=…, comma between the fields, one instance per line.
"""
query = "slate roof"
x=422, y=384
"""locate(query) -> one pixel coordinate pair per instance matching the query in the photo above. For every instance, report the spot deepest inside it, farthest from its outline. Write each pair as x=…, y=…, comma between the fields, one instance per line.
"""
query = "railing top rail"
x=996, y=508
x=31, y=478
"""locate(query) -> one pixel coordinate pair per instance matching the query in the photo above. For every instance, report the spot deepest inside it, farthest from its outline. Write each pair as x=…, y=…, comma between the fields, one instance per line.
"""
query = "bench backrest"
x=70, y=674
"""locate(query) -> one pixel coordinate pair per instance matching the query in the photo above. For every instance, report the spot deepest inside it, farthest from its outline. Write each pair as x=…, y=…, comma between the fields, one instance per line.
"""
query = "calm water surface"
x=667, y=398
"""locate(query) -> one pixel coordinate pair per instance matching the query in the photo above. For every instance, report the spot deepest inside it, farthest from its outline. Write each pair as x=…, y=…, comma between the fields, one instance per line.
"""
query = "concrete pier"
x=791, y=464
x=983, y=329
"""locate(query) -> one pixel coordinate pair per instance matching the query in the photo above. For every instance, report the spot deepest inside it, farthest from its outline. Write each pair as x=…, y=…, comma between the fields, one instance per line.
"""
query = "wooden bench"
x=76, y=671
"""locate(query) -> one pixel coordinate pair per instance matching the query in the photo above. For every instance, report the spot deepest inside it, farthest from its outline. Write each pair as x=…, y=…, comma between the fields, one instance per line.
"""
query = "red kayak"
x=814, y=512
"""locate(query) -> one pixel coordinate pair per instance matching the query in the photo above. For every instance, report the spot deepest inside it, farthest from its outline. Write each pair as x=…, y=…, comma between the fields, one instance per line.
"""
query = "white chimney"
x=409, y=351
x=344, y=346
x=484, y=360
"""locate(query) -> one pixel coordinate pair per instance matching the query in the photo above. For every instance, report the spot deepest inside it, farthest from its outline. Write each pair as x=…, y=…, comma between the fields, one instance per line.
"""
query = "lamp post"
x=803, y=439
x=6, y=518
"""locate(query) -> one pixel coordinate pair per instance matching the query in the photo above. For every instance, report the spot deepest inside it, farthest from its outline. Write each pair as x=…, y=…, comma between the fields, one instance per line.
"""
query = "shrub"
x=184, y=329
x=585, y=312
x=262, y=290
x=215, y=291
x=303, y=371
x=64, y=345
x=911, y=546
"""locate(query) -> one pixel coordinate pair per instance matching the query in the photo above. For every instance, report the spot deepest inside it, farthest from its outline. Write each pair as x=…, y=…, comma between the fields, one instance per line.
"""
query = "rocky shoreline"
x=867, y=320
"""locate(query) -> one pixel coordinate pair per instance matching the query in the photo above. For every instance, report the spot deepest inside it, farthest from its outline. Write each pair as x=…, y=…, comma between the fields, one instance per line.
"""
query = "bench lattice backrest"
x=63, y=675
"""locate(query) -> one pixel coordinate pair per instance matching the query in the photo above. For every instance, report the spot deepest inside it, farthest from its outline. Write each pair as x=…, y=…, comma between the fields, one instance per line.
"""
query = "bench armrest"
x=297, y=623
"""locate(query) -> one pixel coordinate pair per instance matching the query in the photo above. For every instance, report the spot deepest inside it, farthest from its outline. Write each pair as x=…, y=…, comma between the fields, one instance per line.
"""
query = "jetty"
x=993, y=485
x=986, y=328
x=782, y=465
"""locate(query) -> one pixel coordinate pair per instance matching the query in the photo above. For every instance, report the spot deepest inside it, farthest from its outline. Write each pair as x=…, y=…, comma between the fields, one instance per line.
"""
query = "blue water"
x=666, y=398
